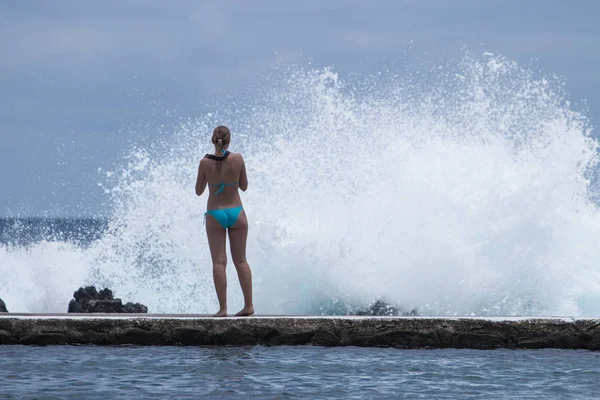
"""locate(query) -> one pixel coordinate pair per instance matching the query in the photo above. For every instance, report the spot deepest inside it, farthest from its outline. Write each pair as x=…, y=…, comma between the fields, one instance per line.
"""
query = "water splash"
x=460, y=190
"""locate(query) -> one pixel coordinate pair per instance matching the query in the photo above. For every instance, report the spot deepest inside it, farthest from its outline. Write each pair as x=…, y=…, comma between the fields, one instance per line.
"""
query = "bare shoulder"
x=237, y=156
x=203, y=162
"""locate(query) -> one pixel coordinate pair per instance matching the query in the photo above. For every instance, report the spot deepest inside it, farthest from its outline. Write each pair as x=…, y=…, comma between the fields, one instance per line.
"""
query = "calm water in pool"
x=294, y=372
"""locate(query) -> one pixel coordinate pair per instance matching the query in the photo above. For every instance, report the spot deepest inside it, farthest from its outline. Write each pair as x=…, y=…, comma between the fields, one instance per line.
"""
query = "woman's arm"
x=243, y=178
x=200, y=180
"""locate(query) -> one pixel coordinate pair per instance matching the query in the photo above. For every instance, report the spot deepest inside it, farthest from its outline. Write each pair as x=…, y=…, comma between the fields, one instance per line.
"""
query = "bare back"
x=231, y=172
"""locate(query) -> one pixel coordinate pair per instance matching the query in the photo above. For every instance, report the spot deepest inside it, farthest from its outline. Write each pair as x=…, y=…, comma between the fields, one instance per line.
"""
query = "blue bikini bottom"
x=227, y=217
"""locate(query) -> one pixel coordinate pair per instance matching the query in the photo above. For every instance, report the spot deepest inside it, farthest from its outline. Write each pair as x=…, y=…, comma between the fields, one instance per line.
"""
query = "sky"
x=81, y=80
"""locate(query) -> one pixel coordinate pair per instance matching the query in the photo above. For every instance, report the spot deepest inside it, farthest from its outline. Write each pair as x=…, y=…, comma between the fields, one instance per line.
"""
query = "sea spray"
x=458, y=190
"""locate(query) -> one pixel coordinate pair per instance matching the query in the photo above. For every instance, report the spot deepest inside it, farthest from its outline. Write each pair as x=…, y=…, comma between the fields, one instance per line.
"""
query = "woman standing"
x=225, y=172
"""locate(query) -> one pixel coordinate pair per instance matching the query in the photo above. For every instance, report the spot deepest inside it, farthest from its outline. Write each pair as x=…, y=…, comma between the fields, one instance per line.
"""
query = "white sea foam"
x=463, y=191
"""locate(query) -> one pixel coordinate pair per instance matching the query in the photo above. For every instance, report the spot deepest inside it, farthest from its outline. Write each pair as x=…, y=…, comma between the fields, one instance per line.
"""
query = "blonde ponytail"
x=220, y=138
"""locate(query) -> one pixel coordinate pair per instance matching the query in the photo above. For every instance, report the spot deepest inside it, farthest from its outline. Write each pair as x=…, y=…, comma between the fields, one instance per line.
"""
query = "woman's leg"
x=216, y=242
x=238, y=234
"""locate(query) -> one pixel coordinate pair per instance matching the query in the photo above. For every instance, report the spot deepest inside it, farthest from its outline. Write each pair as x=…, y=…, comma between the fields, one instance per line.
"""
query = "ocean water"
x=295, y=372
x=467, y=188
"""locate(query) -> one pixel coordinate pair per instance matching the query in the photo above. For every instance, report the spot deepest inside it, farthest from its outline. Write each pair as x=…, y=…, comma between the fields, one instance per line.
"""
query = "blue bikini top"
x=217, y=158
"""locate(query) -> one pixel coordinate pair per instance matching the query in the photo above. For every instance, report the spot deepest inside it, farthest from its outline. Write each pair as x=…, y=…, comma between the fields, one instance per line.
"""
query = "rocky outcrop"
x=381, y=308
x=399, y=332
x=89, y=300
x=2, y=306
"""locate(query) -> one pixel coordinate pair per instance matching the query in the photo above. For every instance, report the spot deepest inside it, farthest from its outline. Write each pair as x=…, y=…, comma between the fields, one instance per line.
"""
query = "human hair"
x=220, y=138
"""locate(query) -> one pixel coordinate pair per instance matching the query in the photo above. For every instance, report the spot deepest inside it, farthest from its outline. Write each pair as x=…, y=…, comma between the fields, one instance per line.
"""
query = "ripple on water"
x=295, y=372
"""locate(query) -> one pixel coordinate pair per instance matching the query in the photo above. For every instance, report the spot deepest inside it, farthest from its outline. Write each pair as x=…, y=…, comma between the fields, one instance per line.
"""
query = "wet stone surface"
x=398, y=332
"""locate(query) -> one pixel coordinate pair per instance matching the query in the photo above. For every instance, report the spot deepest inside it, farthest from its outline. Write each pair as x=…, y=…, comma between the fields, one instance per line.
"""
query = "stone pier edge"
x=397, y=332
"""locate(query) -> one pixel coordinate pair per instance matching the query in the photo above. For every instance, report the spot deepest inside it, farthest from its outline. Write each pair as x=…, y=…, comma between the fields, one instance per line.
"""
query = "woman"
x=225, y=172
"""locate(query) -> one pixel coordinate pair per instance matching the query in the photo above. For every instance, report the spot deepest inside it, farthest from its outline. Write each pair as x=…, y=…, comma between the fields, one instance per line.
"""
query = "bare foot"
x=245, y=312
x=221, y=313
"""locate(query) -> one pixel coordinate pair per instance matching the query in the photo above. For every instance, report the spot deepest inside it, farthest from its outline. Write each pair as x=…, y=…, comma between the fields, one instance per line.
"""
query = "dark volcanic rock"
x=2, y=306
x=89, y=300
x=381, y=308
x=135, y=308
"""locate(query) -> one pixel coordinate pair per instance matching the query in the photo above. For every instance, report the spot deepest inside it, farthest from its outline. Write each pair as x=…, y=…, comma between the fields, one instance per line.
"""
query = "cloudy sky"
x=81, y=79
